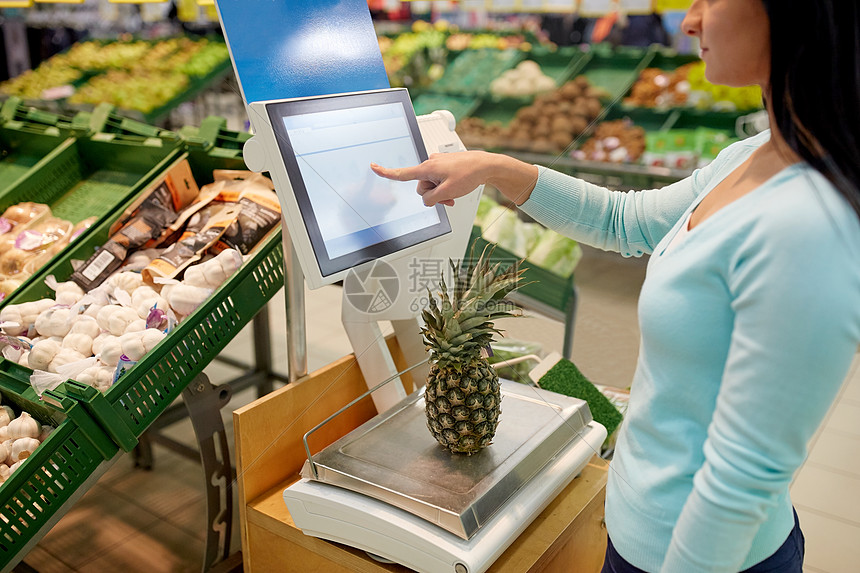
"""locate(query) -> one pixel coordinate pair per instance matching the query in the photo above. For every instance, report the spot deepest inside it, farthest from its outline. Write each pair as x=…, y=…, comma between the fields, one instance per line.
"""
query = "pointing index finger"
x=397, y=174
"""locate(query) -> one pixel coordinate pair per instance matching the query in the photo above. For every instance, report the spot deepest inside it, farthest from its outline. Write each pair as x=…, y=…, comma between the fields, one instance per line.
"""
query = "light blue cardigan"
x=749, y=326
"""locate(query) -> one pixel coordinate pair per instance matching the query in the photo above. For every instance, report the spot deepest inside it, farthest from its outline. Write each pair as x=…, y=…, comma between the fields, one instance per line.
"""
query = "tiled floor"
x=137, y=521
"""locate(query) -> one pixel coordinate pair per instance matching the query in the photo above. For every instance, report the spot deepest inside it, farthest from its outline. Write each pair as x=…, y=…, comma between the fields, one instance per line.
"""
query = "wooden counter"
x=567, y=537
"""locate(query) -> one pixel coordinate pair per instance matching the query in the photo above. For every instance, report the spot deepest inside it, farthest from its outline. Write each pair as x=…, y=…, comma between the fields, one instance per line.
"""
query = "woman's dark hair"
x=815, y=85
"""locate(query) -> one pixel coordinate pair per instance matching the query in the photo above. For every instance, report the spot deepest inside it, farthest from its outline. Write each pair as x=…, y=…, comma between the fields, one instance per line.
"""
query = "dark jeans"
x=787, y=559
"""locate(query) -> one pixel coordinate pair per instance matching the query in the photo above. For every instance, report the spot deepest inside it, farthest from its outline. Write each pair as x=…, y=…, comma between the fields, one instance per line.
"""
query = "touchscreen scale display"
x=355, y=208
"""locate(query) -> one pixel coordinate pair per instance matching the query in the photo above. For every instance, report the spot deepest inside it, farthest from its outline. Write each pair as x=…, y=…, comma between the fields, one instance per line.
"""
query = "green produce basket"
x=472, y=71
x=87, y=177
x=647, y=118
x=615, y=70
x=541, y=285
x=501, y=111
x=562, y=64
x=105, y=121
x=37, y=494
x=459, y=106
x=32, y=120
x=145, y=391
x=721, y=120
x=23, y=153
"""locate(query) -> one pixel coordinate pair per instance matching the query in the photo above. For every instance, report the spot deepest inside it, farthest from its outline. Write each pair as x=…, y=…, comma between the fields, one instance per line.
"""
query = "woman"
x=750, y=310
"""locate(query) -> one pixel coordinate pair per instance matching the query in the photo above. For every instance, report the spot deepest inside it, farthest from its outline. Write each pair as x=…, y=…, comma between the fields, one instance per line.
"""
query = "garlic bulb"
x=4, y=420
x=54, y=322
x=10, y=413
x=93, y=310
x=127, y=281
x=14, y=467
x=12, y=314
x=86, y=325
x=24, y=426
x=184, y=299
x=4, y=435
x=138, y=325
x=46, y=431
x=63, y=357
x=23, y=448
x=5, y=472
x=79, y=342
x=99, y=341
x=42, y=353
x=120, y=319
x=111, y=350
x=4, y=451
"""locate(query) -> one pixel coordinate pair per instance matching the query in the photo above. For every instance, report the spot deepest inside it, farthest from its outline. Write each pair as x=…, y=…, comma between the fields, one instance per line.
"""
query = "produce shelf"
x=23, y=153
x=32, y=120
x=86, y=177
x=459, y=106
x=472, y=71
x=133, y=403
x=105, y=121
x=539, y=284
x=615, y=70
x=43, y=487
x=562, y=64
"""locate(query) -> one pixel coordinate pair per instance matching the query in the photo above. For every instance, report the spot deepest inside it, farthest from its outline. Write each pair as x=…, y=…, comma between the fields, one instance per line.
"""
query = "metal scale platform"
x=388, y=488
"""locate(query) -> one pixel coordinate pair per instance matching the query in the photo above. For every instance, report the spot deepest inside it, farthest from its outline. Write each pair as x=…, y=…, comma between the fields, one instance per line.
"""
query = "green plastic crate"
x=615, y=70
x=87, y=178
x=144, y=392
x=34, y=494
x=104, y=119
x=459, y=106
x=472, y=71
x=562, y=64
x=23, y=152
x=32, y=120
x=542, y=285
x=502, y=110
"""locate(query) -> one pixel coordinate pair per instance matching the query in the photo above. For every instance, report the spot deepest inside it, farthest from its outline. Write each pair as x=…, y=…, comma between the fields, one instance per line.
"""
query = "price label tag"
x=531, y=5
x=601, y=7
x=136, y=1
x=473, y=5
x=503, y=5
x=420, y=6
x=669, y=5
x=60, y=1
x=16, y=3
x=205, y=2
x=560, y=5
x=444, y=5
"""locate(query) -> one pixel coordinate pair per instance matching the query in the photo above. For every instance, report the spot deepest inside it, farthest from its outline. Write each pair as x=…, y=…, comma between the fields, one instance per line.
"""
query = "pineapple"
x=462, y=398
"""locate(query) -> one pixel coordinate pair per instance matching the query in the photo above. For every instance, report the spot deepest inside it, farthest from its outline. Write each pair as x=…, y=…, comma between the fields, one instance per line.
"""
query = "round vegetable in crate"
x=96, y=335
x=549, y=125
x=617, y=141
x=20, y=435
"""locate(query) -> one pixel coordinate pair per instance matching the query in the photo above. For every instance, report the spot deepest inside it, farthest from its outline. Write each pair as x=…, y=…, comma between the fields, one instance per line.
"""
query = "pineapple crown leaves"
x=459, y=324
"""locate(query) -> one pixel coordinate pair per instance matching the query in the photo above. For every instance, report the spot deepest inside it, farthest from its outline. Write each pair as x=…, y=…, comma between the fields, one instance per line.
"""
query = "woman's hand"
x=445, y=177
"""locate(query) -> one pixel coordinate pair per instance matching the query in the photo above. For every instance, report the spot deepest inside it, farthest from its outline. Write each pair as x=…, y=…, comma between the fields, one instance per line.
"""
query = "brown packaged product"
x=146, y=219
x=261, y=210
x=203, y=230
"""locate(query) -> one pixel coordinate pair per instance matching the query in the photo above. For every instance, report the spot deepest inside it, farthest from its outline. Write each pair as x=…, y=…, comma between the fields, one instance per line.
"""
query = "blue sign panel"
x=295, y=48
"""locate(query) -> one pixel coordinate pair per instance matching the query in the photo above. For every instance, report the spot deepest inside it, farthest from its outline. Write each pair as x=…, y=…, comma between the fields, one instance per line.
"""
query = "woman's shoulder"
x=805, y=206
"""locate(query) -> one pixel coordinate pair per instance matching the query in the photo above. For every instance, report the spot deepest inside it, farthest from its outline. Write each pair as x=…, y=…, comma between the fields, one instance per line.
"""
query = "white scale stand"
x=543, y=441
x=387, y=487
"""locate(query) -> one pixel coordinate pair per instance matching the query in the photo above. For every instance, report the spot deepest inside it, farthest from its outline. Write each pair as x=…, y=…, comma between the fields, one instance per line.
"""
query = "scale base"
x=333, y=513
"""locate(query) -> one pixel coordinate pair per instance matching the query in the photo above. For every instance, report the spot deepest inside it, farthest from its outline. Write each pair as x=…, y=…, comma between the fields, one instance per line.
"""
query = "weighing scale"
x=310, y=73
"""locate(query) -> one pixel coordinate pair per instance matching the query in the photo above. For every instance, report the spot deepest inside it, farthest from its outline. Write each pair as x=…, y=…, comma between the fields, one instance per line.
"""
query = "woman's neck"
x=777, y=146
